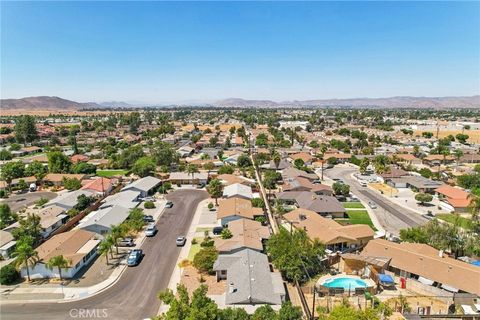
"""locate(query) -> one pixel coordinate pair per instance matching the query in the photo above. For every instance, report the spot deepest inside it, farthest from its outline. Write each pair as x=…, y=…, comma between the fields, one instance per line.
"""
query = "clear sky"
x=180, y=51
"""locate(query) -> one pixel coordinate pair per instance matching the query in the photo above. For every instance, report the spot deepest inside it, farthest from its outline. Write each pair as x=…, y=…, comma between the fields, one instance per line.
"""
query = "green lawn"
x=111, y=173
x=194, y=249
x=353, y=205
x=357, y=217
x=464, y=222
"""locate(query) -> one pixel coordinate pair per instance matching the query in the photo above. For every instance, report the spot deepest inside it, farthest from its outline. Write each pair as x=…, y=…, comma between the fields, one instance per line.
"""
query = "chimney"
x=302, y=217
x=440, y=253
x=231, y=288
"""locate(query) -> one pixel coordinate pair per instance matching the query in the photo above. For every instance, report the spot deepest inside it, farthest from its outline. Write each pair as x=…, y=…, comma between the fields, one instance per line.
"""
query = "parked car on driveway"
x=372, y=205
x=126, y=242
x=151, y=199
x=217, y=230
x=148, y=218
x=169, y=204
x=151, y=230
x=181, y=241
x=134, y=257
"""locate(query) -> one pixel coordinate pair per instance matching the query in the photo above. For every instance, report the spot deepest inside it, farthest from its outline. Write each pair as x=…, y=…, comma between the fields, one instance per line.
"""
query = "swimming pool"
x=345, y=283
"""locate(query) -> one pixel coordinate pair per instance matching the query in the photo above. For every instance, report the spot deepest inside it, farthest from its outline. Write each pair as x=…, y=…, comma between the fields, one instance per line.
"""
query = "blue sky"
x=180, y=51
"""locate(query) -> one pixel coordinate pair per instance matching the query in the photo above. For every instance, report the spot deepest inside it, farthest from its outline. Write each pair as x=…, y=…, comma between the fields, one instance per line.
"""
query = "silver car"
x=181, y=241
x=151, y=230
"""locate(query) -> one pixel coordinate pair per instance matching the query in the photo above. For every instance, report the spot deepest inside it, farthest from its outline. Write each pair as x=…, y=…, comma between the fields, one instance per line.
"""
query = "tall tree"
x=191, y=169
x=58, y=162
x=25, y=254
x=215, y=189
x=25, y=129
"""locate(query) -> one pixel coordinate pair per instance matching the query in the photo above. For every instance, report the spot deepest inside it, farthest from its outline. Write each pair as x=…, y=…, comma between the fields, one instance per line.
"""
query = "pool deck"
x=370, y=283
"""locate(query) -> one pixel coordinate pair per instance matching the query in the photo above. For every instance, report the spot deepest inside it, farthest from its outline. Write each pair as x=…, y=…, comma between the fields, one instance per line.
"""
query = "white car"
x=363, y=183
x=151, y=230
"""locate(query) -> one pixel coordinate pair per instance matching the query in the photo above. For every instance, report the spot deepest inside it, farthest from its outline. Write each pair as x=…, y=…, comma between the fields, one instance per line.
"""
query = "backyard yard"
x=463, y=222
x=111, y=173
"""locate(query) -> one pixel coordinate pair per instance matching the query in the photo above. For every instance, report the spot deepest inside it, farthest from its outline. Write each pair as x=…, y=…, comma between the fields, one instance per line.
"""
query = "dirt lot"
x=191, y=279
x=474, y=134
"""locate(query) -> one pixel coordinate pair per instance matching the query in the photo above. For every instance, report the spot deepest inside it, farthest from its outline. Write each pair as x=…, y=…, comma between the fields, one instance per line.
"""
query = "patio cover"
x=385, y=278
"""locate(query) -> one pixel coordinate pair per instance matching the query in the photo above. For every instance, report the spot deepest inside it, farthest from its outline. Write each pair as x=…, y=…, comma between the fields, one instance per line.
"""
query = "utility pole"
x=313, y=304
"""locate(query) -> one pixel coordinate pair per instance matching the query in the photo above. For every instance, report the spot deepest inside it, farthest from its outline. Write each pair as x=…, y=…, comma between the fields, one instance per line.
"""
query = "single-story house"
x=436, y=159
x=304, y=184
x=249, y=279
x=99, y=186
x=453, y=199
x=69, y=200
x=51, y=218
x=305, y=157
x=238, y=190
x=333, y=235
x=127, y=199
x=422, y=184
x=291, y=173
x=79, y=247
x=323, y=205
x=101, y=221
x=187, y=178
x=408, y=159
x=245, y=234
x=426, y=264
x=7, y=244
x=145, y=185
x=56, y=179
x=228, y=179
x=283, y=164
x=236, y=208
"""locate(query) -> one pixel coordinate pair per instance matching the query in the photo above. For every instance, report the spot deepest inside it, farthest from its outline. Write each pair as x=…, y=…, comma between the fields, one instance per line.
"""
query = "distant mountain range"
x=56, y=103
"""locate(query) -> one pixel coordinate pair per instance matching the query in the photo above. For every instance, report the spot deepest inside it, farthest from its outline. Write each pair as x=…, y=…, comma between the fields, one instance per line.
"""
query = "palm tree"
x=103, y=248
x=191, y=169
x=276, y=160
x=25, y=253
x=111, y=242
x=117, y=232
x=458, y=154
x=59, y=262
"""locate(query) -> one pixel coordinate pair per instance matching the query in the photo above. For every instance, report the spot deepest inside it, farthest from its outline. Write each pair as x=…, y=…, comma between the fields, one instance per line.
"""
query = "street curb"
x=85, y=297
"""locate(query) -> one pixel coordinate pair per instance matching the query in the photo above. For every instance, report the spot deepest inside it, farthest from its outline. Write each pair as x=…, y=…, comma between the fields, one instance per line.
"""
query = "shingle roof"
x=106, y=217
x=238, y=207
x=238, y=189
x=246, y=234
x=249, y=279
x=425, y=261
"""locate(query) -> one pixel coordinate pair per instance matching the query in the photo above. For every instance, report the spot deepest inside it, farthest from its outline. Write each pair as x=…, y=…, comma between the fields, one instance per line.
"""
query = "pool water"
x=345, y=283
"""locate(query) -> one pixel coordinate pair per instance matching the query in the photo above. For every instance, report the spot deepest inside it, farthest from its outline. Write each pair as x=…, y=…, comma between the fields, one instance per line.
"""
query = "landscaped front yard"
x=357, y=217
x=194, y=249
x=353, y=205
x=463, y=222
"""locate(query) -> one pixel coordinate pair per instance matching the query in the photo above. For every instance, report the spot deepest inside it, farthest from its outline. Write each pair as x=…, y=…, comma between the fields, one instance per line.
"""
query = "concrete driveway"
x=20, y=201
x=134, y=296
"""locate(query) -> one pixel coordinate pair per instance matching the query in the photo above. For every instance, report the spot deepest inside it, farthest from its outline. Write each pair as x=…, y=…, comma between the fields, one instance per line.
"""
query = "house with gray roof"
x=69, y=200
x=249, y=280
x=144, y=185
x=102, y=220
x=127, y=199
x=321, y=204
x=238, y=190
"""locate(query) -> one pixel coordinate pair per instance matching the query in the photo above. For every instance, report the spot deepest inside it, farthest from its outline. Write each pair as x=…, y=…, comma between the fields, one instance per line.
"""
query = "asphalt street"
x=134, y=296
x=20, y=201
x=392, y=217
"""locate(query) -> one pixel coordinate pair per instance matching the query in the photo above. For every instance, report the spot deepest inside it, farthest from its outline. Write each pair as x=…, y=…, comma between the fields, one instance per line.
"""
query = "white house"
x=100, y=221
x=144, y=185
x=238, y=190
x=79, y=247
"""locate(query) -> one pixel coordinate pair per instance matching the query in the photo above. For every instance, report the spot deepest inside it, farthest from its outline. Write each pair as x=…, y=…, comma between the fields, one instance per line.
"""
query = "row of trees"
x=201, y=307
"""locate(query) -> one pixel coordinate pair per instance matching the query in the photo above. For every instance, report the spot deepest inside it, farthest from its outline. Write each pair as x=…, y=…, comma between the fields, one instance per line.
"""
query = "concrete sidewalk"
x=59, y=293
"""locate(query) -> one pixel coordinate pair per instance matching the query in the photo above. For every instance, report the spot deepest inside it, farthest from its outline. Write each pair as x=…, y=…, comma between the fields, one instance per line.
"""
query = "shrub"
x=194, y=241
x=41, y=202
x=8, y=274
x=204, y=259
x=207, y=242
x=3, y=194
x=210, y=206
x=149, y=205
x=226, y=234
